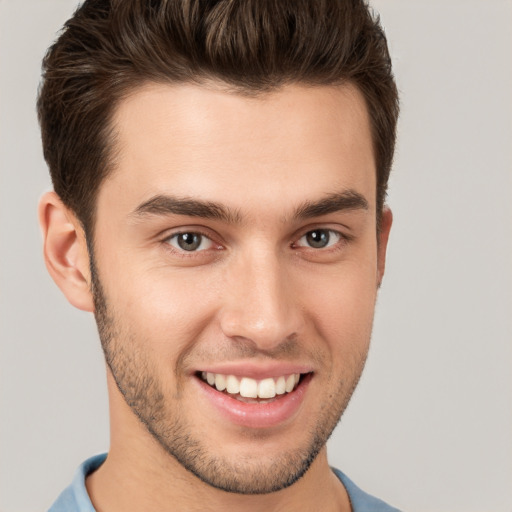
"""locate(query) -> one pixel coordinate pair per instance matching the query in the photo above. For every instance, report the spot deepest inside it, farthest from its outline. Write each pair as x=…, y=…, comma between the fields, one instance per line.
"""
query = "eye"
x=319, y=238
x=190, y=242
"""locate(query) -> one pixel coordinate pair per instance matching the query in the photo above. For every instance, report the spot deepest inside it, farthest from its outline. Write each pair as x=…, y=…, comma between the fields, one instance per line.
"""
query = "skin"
x=256, y=292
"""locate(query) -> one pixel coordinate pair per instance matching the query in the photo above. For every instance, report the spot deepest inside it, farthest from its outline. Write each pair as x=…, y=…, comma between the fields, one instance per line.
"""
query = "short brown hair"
x=110, y=47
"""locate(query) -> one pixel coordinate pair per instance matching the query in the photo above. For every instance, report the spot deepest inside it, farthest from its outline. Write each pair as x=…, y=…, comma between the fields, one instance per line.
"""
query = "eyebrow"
x=332, y=203
x=169, y=205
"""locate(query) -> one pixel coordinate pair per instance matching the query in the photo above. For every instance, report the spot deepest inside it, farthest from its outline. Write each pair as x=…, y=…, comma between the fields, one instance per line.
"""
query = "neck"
x=128, y=482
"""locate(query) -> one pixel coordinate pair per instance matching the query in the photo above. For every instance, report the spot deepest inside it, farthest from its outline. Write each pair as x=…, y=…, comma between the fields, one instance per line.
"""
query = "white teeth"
x=220, y=382
x=281, y=386
x=251, y=388
x=248, y=388
x=290, y=383
x=267, y=388
x=232, y=385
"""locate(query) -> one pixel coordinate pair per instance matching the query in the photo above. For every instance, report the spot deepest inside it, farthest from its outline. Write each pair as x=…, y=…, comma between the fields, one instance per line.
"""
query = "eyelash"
x=183, y=252
x=336, y=246
x=341, y=237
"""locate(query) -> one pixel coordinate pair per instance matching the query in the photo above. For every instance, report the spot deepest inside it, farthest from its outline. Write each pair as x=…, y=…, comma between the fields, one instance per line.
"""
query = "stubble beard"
x=135, y=377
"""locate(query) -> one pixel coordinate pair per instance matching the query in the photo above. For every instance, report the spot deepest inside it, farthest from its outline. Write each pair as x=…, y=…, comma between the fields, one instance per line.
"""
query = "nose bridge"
x=259, y=303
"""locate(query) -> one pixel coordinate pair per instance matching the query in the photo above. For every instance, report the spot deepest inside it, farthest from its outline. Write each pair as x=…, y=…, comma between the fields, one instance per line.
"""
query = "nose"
x=260, y=302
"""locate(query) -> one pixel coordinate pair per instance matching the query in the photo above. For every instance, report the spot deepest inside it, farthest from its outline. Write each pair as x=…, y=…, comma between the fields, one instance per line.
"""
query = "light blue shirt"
x=75, y=498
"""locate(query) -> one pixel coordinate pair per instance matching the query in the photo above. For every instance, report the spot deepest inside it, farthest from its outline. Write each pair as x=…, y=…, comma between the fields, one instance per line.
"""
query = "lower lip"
x=257, y=415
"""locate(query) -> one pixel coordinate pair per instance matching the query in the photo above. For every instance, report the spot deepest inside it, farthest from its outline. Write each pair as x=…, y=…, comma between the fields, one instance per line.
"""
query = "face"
x=236, y=265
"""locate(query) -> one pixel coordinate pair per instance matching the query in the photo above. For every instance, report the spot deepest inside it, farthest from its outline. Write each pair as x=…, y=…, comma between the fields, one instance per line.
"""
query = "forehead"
x=243, y=151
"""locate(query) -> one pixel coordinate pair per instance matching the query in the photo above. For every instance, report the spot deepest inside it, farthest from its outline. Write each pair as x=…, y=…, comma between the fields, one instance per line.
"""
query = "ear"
x=385, y=228
x=65, y=251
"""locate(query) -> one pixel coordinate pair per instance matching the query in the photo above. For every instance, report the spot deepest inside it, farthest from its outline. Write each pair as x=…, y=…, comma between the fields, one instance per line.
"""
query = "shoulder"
x=75, y=498
x=360, y=500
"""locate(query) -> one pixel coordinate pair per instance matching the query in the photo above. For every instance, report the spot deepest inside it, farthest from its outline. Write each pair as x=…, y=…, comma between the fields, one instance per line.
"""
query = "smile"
x=253, y=397
x=249, y=388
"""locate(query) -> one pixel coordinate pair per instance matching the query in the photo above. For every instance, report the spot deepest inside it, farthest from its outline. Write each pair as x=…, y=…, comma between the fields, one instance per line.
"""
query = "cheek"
x=165, y=311
x=342, y=305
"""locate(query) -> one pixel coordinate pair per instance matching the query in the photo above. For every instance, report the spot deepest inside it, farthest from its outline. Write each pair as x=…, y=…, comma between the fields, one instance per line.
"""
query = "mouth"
x=250, y=396
x=249, y=390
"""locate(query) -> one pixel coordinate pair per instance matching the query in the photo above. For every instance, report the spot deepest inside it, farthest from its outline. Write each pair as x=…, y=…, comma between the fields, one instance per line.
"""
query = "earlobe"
x=65, y=251
x=385, y=228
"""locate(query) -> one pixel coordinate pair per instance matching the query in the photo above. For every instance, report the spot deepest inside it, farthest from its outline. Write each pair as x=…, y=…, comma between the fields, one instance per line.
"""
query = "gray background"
x=430, y=427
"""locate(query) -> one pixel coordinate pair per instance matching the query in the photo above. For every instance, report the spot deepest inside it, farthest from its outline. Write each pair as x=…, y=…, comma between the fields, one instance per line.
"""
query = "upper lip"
x=255, y=370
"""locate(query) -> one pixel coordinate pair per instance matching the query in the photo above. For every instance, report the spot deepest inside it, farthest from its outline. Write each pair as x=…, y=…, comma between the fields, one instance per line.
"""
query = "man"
x=220, y=172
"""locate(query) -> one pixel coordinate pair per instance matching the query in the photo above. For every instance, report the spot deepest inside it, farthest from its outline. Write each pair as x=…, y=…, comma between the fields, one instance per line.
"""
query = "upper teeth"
x=251, y=388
